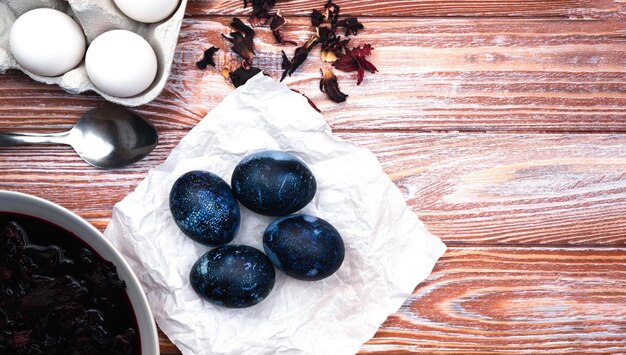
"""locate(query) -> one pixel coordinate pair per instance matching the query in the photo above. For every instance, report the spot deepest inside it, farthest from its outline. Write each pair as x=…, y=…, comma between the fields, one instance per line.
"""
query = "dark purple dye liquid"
x=58, y=295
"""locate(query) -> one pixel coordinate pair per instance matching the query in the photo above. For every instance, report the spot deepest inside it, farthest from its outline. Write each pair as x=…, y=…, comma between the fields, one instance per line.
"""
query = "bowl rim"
x=150, y=327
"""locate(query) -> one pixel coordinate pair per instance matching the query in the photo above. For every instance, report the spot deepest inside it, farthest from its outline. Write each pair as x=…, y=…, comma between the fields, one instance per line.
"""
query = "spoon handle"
x=11, y=139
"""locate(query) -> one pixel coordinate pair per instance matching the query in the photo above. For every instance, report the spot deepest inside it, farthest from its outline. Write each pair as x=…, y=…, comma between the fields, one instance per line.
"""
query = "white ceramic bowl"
x=34, y=206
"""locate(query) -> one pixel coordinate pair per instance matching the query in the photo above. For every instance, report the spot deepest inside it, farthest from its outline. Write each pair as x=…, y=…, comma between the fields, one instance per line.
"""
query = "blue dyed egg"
x=204, y=208
x=304, y=247
x=273, y=183
x=233, y=276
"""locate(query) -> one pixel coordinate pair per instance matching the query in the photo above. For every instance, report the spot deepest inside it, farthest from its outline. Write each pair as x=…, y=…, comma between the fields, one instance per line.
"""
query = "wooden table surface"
x=503, y=123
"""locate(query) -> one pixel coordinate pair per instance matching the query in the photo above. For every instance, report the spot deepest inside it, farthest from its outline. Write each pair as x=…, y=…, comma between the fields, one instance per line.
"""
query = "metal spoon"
x=106, y=137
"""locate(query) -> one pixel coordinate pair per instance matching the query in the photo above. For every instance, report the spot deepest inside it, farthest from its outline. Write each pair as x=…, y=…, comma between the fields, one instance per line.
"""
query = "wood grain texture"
x=423, y=8
x=435, y=75
x=510, y=300
x=166, y=346
x=514, y=300
x=465, y=75
x=511, y=189
x=467, y=188
x=533, y=209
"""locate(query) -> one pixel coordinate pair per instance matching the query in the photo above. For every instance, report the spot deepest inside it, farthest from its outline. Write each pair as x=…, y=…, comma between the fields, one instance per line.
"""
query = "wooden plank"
x=26, y=104
x=435, y=75
x=453, y=74
x=511, y=189
x=514, y=300
x=511, y=300
x=467, y=188
x=430, y=8
x=166, y=346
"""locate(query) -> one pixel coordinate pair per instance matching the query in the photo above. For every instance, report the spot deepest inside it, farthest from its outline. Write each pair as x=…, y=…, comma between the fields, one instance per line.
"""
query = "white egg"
x=47, y=42
x=121, y=63
x=148, y=11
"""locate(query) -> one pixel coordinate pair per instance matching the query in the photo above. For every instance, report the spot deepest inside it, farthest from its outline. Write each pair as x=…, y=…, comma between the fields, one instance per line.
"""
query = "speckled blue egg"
x=233, y=276
x=304, y=247
x=204, y=208
x=273, y=183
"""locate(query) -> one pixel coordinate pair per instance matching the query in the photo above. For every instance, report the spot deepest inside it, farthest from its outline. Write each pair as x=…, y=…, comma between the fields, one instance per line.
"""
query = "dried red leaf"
x=354, y=60
x=309, y=100
x=242, y=40
x=207, y=59
x=260, y=8
x=351, y=24
x=300, y=55
x=276, y=23
x=330, y=86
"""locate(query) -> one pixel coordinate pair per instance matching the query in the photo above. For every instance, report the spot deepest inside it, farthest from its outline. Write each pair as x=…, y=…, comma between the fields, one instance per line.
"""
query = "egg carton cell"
x=96, y=17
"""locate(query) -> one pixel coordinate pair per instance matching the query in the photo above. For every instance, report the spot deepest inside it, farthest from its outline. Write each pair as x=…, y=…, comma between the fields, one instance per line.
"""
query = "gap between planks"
x=367, y=131
x=543, y=18
x=619, y=131
x=573, y=9
x=534, y=246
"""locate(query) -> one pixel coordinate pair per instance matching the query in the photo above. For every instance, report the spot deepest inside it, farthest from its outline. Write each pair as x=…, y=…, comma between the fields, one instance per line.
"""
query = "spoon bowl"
x=112, y=137
x=108, y=137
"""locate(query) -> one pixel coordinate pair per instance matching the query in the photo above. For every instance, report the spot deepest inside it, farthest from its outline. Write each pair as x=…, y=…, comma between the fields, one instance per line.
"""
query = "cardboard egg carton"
x=96, y=17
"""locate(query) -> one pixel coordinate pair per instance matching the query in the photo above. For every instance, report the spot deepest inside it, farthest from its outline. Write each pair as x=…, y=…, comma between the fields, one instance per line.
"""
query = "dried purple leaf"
x=280, y=38
x=355, y=60
x=331, y=42
x=243, y=44
x=300, y=55
x=286, y=66
x=242, y=27
x=240, y=47
x=242, y=75
x=332, y=12
x=330, y=86
x=351, y=24
x=13, y=241
x=52, y=292
x=276, y=23
x=207, y=59
x=317, y=18
x=260, y=8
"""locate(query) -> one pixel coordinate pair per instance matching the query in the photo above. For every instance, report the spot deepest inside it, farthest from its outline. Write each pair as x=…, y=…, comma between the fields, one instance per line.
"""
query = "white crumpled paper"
x=388, y=250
